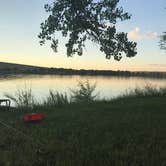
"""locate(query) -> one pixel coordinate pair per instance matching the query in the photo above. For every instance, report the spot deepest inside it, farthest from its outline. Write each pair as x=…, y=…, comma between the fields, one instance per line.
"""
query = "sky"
x=20, y=24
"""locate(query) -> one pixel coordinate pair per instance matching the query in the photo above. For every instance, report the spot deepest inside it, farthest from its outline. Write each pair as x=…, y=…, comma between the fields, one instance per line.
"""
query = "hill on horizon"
x=14, y=68
x=4, y=65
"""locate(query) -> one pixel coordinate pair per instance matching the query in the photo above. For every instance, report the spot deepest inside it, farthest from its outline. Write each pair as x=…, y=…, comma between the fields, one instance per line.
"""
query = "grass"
x=23, y=98
x=55, y=99
x=128, y=131
x=83, y=93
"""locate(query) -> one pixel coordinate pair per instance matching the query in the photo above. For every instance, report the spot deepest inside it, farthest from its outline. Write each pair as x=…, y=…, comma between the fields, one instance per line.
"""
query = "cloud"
x=136, y=34
x=151, y=34
x=158, y=65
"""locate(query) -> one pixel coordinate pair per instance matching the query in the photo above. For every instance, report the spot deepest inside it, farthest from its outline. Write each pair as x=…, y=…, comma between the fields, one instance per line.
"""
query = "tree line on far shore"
x=63, y=71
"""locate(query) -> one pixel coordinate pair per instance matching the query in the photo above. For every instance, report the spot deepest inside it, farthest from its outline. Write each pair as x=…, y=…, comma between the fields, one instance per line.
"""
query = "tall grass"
x=55, y=98
x=85, y=92
x=146, y=91
x=23, y=98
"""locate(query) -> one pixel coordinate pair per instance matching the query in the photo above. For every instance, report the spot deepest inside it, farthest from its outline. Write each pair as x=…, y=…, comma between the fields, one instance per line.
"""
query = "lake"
x=107, y=86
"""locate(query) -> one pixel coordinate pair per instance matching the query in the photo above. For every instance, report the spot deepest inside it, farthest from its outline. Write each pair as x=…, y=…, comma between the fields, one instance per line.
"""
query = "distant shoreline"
x=11, y=68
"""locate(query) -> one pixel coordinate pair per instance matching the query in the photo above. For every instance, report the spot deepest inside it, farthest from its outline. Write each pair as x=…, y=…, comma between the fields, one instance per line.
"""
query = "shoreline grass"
x=128, y=131
x=85, y=92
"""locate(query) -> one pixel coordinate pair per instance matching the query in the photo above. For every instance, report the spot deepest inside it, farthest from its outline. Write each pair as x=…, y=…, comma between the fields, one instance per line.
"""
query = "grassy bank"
x=128, y=131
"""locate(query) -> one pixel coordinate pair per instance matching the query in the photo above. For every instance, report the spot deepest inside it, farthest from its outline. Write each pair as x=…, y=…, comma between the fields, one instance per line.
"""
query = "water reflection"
x=40, y=84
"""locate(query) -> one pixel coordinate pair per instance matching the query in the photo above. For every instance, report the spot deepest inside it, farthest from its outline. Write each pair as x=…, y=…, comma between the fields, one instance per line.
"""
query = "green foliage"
x=163, y=41
x=56, y=99
x=84, y=92
x=87, y=20
x=23, y=98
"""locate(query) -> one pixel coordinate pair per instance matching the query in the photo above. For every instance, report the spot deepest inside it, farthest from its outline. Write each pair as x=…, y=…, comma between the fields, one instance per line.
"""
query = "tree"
x=163, y=41
x=82, y=20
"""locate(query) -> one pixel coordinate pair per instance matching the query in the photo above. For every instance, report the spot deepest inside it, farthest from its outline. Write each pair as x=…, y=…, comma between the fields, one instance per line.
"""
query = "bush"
x=84, y=92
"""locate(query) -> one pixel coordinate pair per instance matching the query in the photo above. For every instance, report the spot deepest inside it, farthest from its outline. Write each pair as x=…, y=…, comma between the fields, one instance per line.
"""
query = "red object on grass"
x=33, y=117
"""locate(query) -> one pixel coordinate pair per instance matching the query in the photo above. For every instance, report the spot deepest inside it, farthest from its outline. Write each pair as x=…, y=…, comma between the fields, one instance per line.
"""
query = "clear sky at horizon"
x=20, y=24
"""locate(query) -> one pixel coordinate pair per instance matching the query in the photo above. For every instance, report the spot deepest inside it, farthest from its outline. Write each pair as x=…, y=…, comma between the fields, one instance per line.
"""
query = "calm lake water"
x=107, y=86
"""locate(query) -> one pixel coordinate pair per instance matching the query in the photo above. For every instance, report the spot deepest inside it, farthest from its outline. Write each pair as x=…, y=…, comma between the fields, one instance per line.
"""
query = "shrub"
x=85, y=92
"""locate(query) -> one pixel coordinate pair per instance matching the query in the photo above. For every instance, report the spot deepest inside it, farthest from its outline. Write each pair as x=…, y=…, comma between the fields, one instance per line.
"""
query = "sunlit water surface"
x=107, y=86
